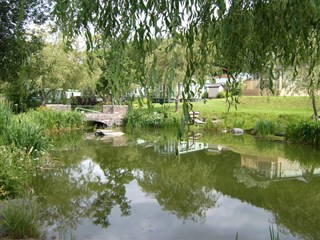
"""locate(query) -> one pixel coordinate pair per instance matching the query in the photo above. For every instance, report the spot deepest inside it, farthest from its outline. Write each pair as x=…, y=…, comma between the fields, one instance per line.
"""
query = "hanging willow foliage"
x=244, y=35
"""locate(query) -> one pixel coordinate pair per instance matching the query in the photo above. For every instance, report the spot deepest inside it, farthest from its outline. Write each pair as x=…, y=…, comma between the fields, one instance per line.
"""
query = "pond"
x=155, y=187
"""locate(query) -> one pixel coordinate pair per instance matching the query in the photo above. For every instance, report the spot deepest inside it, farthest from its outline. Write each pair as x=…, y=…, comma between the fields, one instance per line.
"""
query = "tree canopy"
x=53, y=68
x=244, y=35
x=16, y=43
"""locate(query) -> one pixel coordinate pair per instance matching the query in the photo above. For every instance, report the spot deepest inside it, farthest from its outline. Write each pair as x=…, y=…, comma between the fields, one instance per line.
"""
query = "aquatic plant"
x=26, y=135
x=16, y=170
x=23, y=143
x=20, y=218
x=5, y=115
x=265, y=127
x=211, y=126
x=307, y=132
x=54, y=120
x=273, y=235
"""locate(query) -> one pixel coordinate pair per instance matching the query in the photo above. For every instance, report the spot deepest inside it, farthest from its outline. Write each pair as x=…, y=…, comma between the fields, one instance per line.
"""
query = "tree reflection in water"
x=110, y=194
x=186, y=185
x=182, y=186
x=84, y=188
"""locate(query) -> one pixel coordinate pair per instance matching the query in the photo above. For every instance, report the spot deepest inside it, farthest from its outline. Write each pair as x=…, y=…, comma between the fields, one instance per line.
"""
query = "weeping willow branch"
x=247, y=36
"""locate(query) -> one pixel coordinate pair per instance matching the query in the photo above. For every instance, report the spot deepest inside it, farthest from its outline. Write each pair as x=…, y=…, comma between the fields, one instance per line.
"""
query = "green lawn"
x=282, y=110
x=256, y=105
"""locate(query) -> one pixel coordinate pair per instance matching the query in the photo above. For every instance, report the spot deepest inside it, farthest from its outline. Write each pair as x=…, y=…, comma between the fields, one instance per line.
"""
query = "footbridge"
x=111, y=115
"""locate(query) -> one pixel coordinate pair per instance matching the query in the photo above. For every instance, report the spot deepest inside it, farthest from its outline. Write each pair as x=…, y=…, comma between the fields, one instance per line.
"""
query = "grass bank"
x=24, y=145
x=259, y=115
x=250, y=110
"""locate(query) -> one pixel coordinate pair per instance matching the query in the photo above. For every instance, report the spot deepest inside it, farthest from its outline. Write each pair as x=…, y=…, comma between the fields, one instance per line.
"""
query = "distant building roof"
x=215, y=85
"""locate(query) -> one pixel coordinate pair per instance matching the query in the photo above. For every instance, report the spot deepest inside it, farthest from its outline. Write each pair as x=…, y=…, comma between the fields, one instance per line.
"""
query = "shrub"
x=21, y=218
x=16, y=171
x=265, y=127
x=205, y=95
x=221, y=94
x=26, y=135
x=159, y=118
x=307, y=132
x=213, y=127
x=49, y=119
x=239, y=123
x=84, y=100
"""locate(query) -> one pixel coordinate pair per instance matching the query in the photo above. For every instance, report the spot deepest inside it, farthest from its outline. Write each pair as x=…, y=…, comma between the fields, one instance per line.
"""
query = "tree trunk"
x=177, y=103
x=314, y=106
x=44, y=96
x=178, y=98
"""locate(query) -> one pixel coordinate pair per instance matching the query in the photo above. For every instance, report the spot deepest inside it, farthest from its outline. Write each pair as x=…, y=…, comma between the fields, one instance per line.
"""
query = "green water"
x=151, y=186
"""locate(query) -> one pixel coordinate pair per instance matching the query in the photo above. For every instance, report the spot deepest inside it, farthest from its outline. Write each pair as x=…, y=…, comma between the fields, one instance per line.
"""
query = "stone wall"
x=119, y=110
x=59, y=107
x=108, y=119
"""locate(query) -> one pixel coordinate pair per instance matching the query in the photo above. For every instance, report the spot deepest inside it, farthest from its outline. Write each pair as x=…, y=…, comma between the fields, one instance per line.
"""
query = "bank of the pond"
x=139, y=177
x=25, y=140
x=267, y=117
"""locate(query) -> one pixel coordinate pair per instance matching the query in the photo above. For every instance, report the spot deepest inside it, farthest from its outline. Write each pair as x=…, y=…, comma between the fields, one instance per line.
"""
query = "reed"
x=17, y=169
x=26, y=135
x=265, y=127
x=20, y=218
x=307, y=132
x=55, y=120
x=5, y=115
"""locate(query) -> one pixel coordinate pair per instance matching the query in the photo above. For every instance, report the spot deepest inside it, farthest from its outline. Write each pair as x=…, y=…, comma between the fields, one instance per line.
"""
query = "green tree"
x=248, y=36
x=107, y=85
x=166, y=69
x=16, y=41
x=53, y=68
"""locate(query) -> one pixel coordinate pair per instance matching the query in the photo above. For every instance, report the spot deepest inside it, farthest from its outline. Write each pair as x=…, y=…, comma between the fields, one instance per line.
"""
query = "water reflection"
x=277, y=167
x=110, y=182
x=179, y=147
x=188, y=194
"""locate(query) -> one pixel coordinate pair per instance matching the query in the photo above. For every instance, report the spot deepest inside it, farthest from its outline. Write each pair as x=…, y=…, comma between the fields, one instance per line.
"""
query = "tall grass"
x=21, y=219
x=307, y=132
x=143, y=118
x=265, y=127
x=26, y=135
x=5, y=115
x=24, y=142
x=16, y=171
x=18, y=131
x=273, y=235
x=28, y=130
x=55, y=120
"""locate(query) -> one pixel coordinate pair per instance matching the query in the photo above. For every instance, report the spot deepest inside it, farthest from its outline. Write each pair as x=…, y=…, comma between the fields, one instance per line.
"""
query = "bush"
x=21, y=218
x=221, y=94
x=16, y=171
x=265, y=127
x=213, y=127
x=306, y=132
x=50, y=120
x=205, y=95
x=26, y=135
x=159, y=118
x=84, y=100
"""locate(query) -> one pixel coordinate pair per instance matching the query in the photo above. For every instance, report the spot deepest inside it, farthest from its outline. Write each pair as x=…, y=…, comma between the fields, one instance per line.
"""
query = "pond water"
x=155, y=187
